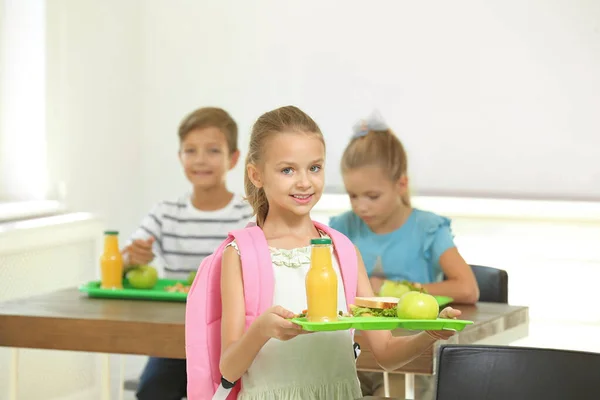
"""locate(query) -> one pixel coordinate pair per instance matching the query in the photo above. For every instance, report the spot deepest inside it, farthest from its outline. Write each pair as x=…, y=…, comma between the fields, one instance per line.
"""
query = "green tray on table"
x=443, y=300
x=158, y=292
x=382, y=323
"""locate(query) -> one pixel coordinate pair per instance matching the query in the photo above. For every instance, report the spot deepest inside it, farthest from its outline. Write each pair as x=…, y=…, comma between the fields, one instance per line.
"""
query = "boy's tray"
x=382, y=324
x=158, y=292
x=443, y=300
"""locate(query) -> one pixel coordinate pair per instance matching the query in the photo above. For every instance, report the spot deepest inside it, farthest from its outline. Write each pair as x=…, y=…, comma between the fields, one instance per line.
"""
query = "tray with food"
x=417, y=311
x=142, y=283
x=164, y=290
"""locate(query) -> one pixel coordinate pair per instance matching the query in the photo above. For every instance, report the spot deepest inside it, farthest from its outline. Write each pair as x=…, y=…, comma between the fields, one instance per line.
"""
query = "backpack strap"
x=257, y=272
x=202, y=326
x=259, y=282
x=347, y=258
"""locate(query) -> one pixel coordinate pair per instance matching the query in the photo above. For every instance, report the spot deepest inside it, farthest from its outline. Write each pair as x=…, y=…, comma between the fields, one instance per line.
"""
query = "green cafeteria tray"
x=382, y=323
x=443, y=300
x=158, y=292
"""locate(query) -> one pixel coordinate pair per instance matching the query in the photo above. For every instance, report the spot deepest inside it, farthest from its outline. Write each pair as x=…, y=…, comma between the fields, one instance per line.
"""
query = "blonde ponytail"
x=257, y=199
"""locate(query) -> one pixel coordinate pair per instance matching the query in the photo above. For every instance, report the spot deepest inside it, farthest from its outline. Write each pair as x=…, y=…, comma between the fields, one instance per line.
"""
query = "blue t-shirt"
x=411, y=252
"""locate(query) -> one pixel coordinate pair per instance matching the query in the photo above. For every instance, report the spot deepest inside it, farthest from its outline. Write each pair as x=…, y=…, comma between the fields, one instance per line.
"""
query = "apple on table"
x=142, y=277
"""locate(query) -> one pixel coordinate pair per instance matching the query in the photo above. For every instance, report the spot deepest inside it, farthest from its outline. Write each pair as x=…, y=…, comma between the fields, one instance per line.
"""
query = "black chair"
x=474, y=372
x=493, y=284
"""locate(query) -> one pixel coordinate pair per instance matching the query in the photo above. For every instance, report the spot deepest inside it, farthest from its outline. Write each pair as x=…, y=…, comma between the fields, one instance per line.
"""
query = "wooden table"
x=68, y=320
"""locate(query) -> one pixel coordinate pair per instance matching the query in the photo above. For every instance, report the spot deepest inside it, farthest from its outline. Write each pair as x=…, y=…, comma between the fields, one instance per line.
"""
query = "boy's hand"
x=140, y=252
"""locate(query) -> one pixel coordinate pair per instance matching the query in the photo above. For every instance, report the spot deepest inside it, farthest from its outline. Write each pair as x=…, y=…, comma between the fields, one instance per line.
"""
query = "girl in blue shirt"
x=397, y=242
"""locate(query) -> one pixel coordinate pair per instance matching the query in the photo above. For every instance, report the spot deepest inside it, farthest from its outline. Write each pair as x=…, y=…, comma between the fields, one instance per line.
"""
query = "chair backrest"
x=473, y=372
x=493, y=284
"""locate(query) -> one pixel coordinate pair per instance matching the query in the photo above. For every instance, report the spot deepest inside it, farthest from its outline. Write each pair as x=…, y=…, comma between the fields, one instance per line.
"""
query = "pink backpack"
x=203, y=309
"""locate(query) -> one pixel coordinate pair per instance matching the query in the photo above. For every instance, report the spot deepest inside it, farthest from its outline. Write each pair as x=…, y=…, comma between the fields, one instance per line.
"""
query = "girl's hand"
x=447, y=313
x=450, y=313
x=274, y=323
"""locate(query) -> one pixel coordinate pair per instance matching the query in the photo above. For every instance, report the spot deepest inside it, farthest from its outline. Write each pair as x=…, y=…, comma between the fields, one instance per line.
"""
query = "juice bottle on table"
x=111, y=262
x=321, y=283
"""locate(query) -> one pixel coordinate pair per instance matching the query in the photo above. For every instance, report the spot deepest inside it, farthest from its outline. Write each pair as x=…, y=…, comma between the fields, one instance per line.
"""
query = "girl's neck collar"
x=395, y=221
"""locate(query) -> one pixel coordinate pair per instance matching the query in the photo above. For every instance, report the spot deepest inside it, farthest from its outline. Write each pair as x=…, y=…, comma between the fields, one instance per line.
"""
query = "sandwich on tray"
x=374, y=307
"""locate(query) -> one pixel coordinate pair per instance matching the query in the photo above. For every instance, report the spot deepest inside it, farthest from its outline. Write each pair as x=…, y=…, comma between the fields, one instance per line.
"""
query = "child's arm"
x=138, y=252
x=376, y=283
x=239, y=346
x=460, y=283
x=145, y=243
x=393, y=352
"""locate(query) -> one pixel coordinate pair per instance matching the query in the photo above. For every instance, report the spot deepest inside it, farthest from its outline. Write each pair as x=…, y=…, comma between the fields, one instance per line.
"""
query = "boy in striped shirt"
x=179, y=234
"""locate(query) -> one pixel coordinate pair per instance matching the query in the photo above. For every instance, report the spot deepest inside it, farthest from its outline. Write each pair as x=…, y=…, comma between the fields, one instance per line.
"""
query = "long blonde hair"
x=377, y=147
x=280, y=120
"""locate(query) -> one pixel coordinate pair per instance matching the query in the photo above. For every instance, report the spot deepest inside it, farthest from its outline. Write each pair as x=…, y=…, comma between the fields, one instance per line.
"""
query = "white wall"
x=94, y=107
x=198, y=54
x=503, y=84
x=489, y=97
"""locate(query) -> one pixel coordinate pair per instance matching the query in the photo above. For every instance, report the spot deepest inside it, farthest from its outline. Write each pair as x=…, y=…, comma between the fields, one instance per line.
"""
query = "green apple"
x=142, y=277
x=417, y=305
x=191, y=277
x=393, y=289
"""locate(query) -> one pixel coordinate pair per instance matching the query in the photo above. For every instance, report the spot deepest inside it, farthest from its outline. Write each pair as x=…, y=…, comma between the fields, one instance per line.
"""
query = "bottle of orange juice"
x=111, y=262
x=321, y=283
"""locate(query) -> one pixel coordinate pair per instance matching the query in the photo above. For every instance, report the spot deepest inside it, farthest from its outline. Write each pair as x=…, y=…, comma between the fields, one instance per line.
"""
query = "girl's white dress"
x=319, y=365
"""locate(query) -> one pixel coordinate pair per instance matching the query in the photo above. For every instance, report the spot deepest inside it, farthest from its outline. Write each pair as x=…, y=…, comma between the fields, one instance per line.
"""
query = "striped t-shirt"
x=185, y=235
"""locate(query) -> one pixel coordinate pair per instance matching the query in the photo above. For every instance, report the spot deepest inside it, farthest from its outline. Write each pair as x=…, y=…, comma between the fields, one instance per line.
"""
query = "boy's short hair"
x=208, y=117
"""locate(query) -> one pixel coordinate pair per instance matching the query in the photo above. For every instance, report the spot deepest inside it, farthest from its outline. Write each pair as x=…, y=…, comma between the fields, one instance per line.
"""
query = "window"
x=23, y=168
